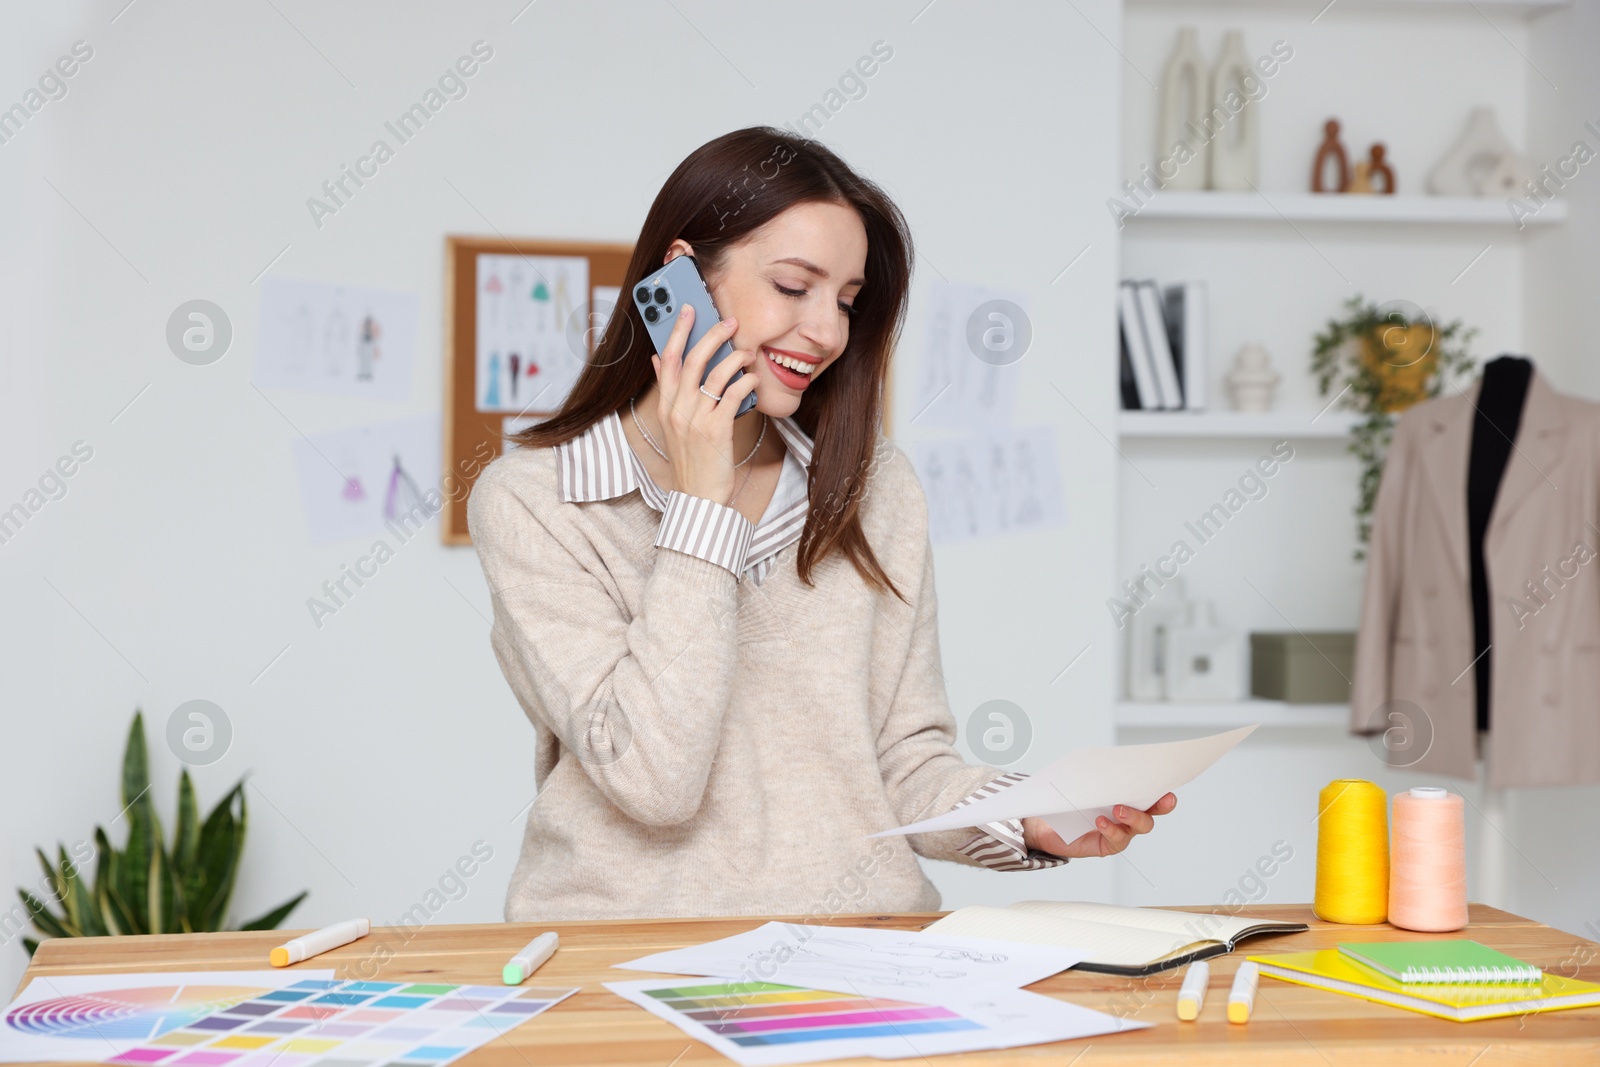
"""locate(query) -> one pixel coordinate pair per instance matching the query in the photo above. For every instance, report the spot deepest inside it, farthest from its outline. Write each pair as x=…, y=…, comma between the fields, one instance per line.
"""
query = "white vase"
x=1183, y=102
x=1252, y=381
x=1235, y=149
x=1482, y=162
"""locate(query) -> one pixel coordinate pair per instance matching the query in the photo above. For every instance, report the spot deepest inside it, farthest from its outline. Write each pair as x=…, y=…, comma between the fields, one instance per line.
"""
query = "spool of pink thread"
x=1428, y=861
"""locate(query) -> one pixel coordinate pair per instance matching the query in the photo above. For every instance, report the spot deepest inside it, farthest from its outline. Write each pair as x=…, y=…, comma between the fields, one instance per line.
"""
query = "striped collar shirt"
x=600, y=464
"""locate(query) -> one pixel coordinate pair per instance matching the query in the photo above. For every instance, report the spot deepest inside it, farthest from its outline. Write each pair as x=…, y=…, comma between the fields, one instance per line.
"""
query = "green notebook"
x=1458, y=962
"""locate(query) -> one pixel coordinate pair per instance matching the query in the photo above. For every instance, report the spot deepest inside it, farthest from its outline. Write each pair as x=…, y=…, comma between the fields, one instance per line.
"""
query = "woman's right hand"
x=698, y=429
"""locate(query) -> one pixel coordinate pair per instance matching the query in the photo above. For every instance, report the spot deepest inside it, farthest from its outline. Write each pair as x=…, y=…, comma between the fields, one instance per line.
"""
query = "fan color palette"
x=126, y=1013
x=330, y=1023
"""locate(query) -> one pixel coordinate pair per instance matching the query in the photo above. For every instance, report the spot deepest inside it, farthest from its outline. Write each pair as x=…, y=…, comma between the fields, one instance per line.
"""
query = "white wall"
x=382, y=746
x=1559, y=288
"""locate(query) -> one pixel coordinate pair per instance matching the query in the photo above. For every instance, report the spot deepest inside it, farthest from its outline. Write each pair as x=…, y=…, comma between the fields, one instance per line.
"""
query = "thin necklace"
x=652, y=441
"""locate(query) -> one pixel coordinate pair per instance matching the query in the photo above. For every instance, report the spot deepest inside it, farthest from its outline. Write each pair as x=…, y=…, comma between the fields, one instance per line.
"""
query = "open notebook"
x=1126, y=941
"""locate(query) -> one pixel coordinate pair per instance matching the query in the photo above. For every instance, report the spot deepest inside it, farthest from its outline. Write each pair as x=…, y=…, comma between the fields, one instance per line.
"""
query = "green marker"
x=529, y=959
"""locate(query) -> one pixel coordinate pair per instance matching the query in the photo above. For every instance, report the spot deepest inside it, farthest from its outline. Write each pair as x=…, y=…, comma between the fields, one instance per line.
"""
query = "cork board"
x=469, y=435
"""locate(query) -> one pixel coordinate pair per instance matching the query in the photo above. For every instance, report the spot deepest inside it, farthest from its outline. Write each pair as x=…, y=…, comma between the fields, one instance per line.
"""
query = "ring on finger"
x=713, y=396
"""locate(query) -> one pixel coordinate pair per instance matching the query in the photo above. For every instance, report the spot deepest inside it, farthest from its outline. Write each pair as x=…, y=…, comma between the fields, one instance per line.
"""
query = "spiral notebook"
x=1453, y=962
x=1337, y=973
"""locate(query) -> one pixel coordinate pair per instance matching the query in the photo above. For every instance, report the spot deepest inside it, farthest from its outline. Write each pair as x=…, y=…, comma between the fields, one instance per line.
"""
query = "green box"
x=1302, y=668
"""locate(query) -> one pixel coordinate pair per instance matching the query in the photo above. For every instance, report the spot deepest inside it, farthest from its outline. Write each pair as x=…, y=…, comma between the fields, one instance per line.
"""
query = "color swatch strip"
x=761, y=1013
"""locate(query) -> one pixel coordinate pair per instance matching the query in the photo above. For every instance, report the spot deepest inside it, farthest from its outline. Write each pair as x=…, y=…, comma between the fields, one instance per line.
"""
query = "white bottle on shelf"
x=1235, y=149
x=1183, y=81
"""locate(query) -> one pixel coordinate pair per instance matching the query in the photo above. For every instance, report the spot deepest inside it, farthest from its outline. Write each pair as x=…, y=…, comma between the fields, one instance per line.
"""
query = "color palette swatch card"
x=260, y=1019
x=759, y=1024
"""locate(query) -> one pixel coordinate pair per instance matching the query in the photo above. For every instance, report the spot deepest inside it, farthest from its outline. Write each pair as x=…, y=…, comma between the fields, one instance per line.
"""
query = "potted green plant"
x=144, y=887
x=1383, y=360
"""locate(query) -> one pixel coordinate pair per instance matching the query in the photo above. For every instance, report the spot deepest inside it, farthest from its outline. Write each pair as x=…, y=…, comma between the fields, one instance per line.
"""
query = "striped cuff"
x=704, y=528
x=1001, y=847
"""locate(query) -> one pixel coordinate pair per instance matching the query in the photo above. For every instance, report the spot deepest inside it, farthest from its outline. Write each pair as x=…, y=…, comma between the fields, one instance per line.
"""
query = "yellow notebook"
x=1330, y=970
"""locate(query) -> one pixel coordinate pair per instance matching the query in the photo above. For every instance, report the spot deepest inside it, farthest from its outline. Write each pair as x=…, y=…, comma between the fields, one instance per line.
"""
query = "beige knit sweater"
x=707, y=746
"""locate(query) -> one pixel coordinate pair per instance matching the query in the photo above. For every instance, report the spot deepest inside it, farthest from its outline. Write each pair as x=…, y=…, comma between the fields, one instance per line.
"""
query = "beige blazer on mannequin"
x=1414, y=648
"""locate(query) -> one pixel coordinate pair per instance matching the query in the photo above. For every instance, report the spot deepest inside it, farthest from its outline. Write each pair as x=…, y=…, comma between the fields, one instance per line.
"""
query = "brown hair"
x=722, y=192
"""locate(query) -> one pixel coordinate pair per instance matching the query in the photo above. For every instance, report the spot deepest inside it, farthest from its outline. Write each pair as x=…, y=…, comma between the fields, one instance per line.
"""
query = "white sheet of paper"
x=533, y=330
x=956, y=388
x=999, y=482
x=98, y=1024
x=761, y=1028
x=379, y=480
x=867, y=962
x=1087, y=783
x=341, y=339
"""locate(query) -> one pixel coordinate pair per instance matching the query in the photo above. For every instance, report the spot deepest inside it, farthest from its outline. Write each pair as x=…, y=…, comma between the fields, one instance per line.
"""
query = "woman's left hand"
x=1107, y=839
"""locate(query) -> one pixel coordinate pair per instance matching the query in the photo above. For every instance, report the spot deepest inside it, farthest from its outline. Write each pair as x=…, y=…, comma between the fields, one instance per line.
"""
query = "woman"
x=725, y=631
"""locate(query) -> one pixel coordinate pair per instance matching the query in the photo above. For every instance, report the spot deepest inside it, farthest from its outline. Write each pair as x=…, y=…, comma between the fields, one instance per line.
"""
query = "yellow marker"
x=318, y=941
x=1192, y=997
x=1242, y=997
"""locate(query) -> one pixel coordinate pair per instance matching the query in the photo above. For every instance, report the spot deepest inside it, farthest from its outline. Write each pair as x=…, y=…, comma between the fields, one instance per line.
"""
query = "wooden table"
x=1292, y=1024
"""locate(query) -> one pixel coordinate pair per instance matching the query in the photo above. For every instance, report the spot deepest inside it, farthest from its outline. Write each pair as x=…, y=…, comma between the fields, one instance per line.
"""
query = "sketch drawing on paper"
x=529, y=350
x=337, y=339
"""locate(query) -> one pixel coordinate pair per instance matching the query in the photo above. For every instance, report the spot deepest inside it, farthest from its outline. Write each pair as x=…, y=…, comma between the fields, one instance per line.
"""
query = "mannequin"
x=1501, y=394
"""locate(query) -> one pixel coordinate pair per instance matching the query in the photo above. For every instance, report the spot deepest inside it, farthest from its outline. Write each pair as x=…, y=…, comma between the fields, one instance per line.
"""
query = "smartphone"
x=661, y=295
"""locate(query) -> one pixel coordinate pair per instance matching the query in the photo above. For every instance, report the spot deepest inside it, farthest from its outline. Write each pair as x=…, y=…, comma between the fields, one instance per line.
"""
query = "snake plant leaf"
x=31, y=945
x=51, y=879
x=221, y=842
x=76, y=901
x=50, y=924
x=162, y=896
x=144, y=830
x=114, y=911
x=271, y=919
x=186, y=835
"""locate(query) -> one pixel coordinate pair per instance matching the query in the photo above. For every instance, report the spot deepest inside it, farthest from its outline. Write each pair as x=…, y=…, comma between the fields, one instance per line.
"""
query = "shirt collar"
x=599, y=464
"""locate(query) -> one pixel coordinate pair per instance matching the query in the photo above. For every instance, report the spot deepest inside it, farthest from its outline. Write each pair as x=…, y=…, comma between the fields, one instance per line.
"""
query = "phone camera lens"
x=650, y=313
x=661, y=296
x=643, y=294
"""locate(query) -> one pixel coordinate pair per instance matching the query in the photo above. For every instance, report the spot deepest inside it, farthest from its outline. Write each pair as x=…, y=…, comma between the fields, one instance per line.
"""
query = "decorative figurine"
x=1330, y=150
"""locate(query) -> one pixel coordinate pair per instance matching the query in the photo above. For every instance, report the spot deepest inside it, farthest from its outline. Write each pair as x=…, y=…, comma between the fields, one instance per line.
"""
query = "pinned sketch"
x=973, y=345
x=1000, y=482
x=360, y=481
x=530, y=330
x=339, y=339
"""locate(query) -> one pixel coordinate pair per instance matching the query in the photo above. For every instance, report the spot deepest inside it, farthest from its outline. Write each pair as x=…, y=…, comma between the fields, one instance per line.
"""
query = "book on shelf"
x=1184, y=309
x=1162, y=355
x=1155, y=330
x=1119, y=940
x=1136, y=348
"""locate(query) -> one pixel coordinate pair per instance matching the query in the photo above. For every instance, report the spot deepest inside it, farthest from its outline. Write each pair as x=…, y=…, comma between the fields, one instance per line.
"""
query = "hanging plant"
x=1381, y=361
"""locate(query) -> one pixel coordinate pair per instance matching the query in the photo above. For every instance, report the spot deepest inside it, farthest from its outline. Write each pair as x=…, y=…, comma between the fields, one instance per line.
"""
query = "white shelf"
x=1165, y=714
x=1294, y=424
x=1341, y=208
x=1522, y=8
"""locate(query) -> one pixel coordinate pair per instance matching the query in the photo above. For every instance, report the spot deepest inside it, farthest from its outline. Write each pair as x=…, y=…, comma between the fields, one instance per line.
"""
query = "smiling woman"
x=727, y=639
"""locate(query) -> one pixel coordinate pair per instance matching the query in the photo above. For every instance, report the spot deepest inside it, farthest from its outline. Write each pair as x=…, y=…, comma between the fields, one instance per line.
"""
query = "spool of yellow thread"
x=1352, y=853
